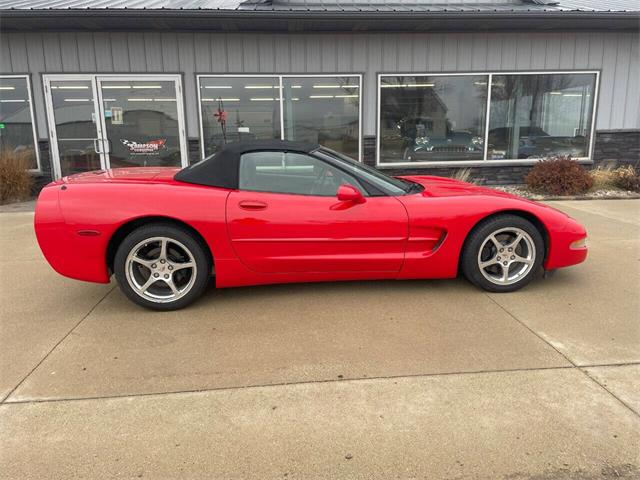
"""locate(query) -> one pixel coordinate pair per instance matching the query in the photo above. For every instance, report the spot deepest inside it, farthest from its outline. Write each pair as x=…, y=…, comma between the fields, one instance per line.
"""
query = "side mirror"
x=349, y=193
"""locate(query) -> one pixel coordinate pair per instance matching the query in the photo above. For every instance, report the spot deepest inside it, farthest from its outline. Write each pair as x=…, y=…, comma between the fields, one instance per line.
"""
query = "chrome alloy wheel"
x=506, y=256
x=160, y=269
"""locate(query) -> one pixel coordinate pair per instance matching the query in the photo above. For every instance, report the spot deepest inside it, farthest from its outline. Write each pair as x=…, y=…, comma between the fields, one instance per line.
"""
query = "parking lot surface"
x=412, y=379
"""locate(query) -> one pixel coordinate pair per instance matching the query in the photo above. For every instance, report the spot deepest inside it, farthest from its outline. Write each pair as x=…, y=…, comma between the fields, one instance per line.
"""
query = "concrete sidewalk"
x=416, y=379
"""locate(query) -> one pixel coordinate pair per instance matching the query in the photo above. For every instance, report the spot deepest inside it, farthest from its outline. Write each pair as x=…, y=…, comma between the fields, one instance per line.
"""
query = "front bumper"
x=567, y=246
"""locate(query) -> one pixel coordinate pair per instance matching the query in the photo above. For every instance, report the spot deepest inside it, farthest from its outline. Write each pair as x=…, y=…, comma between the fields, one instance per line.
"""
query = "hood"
x=448, y=187
x=117, y=175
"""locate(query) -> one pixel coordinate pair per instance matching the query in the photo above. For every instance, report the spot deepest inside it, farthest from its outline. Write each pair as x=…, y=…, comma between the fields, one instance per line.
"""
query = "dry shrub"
x=626, y=178
x=559, y=176
x=15, y=180
x=603, y=178
x=462, y=175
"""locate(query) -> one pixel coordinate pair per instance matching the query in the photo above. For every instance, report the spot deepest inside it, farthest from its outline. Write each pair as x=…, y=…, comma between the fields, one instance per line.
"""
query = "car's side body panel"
x=284, y=233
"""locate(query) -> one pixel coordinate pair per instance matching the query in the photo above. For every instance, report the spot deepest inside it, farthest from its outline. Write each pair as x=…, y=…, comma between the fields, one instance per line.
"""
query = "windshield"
x=391, y=185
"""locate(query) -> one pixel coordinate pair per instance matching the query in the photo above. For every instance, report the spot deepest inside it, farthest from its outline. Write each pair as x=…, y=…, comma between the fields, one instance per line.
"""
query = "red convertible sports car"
x=277, y=212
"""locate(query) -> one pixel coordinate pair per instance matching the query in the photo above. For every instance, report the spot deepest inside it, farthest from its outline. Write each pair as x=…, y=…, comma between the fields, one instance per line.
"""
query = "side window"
x=296, y=173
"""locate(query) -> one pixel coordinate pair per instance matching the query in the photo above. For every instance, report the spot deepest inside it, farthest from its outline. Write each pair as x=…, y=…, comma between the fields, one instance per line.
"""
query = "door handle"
x=252, y=205
x=96, y=142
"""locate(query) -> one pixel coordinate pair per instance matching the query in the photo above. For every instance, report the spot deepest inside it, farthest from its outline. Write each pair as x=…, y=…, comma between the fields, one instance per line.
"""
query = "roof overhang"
x=309, y=21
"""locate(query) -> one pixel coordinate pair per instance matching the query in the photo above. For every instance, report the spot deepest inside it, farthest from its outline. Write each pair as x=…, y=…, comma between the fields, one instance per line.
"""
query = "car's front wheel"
x=503, y=253
x=162, y=266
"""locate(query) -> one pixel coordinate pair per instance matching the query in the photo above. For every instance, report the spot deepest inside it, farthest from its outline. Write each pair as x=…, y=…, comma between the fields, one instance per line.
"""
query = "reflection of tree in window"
x=534, y=116
x=251, y=104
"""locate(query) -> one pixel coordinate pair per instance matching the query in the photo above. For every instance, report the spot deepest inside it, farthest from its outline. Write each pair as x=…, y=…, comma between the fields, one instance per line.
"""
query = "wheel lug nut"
x=166, y=276
x=170, y=267
x=156, y=275
x=161, y=261
x=511, y=249
x=502, y=249
x=498, y=258
x=504, y=263
x=513, y=257
x=153, y=265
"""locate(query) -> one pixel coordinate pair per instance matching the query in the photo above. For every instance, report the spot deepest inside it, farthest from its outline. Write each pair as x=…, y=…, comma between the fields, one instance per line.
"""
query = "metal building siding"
x=190, y=53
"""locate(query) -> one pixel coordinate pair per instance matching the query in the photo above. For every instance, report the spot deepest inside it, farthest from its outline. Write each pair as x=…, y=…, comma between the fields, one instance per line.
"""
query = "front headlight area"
x=579, y=244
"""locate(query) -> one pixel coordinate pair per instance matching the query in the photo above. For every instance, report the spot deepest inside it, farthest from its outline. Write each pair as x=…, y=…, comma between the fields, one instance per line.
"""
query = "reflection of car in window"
x=534, y=142
x=420, y=137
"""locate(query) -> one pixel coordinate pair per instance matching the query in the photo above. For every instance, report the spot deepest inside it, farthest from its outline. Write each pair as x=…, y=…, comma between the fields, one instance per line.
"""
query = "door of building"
x=111, y=121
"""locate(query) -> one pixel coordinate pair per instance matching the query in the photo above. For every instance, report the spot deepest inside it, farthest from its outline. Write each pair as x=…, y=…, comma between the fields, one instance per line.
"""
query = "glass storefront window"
x=75, y=123
x=542, y=115
x=17, y=133
x=432, y=118
x=324, y=110
x=114, y=121
x=318, y=109
x=141, y=122
x=236, y=109
x=444, y=118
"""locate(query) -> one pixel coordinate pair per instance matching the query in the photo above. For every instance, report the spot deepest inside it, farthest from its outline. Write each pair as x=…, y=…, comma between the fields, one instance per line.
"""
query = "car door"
x=286, y=218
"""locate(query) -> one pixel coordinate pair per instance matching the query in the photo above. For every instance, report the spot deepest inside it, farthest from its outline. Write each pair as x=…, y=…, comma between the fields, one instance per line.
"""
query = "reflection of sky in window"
x=559, y=104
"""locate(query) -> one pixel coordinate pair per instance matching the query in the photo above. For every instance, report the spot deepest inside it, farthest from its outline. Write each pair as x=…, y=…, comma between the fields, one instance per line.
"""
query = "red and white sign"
x=146, y=148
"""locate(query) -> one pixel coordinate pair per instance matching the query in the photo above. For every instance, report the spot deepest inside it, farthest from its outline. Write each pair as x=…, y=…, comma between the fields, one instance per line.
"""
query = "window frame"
x=280, y=77
x=95, y=77
x=485, y=161
x=27, y=77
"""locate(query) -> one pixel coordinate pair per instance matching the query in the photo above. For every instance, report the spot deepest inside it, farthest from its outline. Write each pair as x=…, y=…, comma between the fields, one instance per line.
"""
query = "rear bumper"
x=564, y=246
x=69, y=253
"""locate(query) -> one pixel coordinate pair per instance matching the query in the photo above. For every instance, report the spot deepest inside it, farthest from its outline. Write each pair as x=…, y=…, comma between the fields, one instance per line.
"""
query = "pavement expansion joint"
x=6, y=397
x=311, y=382
x=581, y=368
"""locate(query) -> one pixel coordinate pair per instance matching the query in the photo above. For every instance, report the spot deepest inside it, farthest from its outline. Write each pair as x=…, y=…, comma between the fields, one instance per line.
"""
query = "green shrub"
x=15, y=180
x=559, y=176
x=626, y=178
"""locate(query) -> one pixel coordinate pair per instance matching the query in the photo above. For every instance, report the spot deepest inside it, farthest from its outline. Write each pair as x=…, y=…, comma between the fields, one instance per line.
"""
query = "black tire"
x=480, y=237
x=187, y=246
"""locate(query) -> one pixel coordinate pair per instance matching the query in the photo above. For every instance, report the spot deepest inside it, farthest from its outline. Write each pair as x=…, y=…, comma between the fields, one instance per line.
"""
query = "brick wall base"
x=611, y=148
x=617, y=148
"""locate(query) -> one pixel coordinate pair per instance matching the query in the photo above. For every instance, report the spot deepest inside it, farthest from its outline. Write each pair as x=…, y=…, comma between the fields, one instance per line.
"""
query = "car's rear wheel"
x=503, y=253
x=162, y=267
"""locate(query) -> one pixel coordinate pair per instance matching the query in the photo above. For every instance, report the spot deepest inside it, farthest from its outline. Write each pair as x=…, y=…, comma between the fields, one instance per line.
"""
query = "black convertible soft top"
x=221, y=169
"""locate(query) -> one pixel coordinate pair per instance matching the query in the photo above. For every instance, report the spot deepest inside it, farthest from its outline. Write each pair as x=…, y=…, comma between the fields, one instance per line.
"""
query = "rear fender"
x=76, y=222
